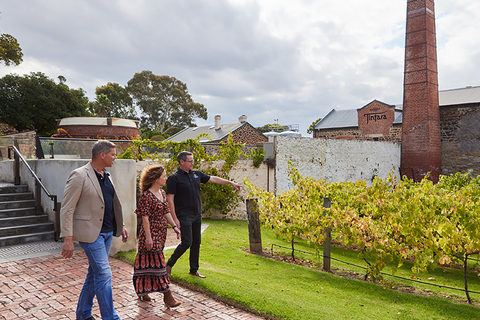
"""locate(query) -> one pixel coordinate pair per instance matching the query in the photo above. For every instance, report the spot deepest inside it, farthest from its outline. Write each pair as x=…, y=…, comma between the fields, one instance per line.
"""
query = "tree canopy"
x=35, y=101
x=312, y=126
x=115, y=101
x=10, y=51
x=272, y=127
x=166, y=102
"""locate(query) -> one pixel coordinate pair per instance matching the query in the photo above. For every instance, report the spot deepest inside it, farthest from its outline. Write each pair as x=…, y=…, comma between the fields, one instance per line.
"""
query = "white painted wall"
x=334, y=160
x=54, y=173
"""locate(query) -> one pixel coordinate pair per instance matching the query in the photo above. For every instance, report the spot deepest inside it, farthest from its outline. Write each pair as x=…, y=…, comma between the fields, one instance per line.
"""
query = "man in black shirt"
x=183, y=195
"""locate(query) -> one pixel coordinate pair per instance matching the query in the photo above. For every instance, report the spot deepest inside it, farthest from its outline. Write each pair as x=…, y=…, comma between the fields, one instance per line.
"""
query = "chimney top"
x=242, y=118
x=218, y=119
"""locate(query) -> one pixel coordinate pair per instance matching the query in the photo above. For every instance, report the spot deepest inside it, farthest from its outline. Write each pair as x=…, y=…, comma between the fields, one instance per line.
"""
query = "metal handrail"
x=38, y=182
x=31, y=171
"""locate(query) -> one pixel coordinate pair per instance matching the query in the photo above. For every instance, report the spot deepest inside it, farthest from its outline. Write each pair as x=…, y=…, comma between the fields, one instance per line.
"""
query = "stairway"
x=19, y=224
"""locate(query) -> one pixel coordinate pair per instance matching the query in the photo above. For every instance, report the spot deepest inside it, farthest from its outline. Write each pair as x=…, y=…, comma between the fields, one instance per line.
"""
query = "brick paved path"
x=48, y=288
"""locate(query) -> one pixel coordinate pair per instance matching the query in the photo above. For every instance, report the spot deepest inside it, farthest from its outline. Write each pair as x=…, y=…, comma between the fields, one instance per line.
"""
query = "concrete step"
x=19, y=223
x=19, y=212
x=22, y=221
x=17, y=204
x=26, y=229
x=14, y=189
x=16, y=196
x=29, y=238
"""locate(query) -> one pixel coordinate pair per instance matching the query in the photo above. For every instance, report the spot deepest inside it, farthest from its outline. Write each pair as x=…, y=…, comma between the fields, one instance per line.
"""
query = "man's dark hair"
x=183, y=155
x=102, y=146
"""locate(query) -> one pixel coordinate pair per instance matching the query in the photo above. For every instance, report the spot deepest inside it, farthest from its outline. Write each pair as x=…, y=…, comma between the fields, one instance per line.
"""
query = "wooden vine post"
x=254, y=232
x=327, y=240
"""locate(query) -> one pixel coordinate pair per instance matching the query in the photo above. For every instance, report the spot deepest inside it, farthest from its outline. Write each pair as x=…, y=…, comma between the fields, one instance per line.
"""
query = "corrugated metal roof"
x=339, y=119
x=459, y=96
x=215, y=135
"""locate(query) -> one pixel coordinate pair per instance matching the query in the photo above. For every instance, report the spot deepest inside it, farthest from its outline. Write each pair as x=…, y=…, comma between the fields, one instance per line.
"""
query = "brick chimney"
x=421, y=144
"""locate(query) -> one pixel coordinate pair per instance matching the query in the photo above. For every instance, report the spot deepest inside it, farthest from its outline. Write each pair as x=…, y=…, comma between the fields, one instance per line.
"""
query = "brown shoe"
x=197, y=274
x=169, y=300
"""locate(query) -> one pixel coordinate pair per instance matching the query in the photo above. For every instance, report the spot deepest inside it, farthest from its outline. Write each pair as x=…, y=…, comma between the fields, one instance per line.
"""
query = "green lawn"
x=290, y=291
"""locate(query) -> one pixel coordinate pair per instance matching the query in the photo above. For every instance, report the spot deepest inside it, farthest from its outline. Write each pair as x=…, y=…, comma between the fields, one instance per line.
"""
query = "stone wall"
x=26, y=144
x=395, y=134
x=247, y=134
x=460, y=133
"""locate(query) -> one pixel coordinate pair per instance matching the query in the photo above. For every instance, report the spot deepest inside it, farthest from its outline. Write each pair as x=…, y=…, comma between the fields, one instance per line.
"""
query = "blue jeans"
x=99, y=279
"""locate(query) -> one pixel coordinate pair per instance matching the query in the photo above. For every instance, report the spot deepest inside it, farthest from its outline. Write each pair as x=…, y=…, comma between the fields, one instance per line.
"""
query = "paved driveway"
x=47, y=287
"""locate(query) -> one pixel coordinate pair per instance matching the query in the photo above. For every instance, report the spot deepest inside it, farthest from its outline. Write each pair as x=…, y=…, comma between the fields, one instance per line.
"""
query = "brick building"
x=459, y=129
x=98, y=128
x=211, y=136
x=376, y=121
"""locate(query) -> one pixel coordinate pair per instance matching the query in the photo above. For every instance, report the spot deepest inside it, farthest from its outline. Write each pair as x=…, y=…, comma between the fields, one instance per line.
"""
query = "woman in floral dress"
x=149, y=273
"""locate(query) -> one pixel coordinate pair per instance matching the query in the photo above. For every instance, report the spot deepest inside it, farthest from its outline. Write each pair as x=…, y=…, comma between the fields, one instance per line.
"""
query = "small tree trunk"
x=465, y=269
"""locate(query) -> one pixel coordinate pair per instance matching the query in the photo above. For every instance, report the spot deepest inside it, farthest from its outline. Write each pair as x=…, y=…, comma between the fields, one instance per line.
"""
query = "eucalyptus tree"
x=165, y=101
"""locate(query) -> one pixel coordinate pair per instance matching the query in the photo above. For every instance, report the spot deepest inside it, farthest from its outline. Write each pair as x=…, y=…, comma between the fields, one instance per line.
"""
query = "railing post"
x=56, y=209
x=327, y=240
x=51, y=150
x=38, y=197
x=16, y=166
x=254, y=232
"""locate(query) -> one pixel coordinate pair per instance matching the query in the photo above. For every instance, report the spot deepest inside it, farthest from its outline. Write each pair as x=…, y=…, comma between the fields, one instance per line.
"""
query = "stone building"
x=211, y=136
x=377, y=121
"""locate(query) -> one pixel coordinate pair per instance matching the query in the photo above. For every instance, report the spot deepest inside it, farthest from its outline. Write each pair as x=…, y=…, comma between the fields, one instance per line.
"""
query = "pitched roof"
x=214, y=134
x=337, y=119
x=459, y=96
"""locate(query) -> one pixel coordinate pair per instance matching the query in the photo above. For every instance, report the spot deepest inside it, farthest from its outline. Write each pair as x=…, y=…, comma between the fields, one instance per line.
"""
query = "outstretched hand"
x=236, y=185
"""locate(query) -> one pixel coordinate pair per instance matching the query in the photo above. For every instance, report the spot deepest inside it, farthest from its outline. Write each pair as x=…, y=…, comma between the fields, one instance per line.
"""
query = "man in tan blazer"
x=91, y=214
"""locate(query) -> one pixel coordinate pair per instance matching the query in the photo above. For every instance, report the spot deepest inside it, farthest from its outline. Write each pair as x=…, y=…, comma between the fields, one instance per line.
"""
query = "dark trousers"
x=191, y=233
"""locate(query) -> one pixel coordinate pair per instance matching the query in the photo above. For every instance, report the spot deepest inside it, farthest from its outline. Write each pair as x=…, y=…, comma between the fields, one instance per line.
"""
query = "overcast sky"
x=291, y=60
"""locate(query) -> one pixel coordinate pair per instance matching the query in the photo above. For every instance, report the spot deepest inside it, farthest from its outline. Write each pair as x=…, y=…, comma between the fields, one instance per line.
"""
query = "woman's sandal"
x=145, y=298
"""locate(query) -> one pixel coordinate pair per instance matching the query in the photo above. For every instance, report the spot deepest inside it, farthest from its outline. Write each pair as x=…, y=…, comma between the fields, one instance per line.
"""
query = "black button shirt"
x=186, y=188
x=108, y=191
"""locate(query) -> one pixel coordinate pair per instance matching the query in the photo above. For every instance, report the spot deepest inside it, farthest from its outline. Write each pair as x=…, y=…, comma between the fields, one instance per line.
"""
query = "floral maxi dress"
x=149, y=274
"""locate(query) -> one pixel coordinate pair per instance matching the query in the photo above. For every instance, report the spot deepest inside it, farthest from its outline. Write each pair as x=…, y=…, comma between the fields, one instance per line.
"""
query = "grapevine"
x=390, y=220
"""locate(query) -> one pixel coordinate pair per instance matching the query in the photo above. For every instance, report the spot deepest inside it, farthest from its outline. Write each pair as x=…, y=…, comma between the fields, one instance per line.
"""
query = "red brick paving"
x=48, y=288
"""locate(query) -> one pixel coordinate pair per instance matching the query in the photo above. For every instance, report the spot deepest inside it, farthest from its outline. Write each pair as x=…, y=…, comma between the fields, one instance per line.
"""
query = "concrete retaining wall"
x=54, y=173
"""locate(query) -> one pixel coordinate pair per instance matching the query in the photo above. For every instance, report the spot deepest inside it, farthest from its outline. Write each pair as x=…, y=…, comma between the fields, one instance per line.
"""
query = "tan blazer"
x=83, y=207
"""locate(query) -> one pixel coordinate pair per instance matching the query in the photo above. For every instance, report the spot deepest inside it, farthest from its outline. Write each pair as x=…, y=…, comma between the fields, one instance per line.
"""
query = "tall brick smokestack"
x=421, y=145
